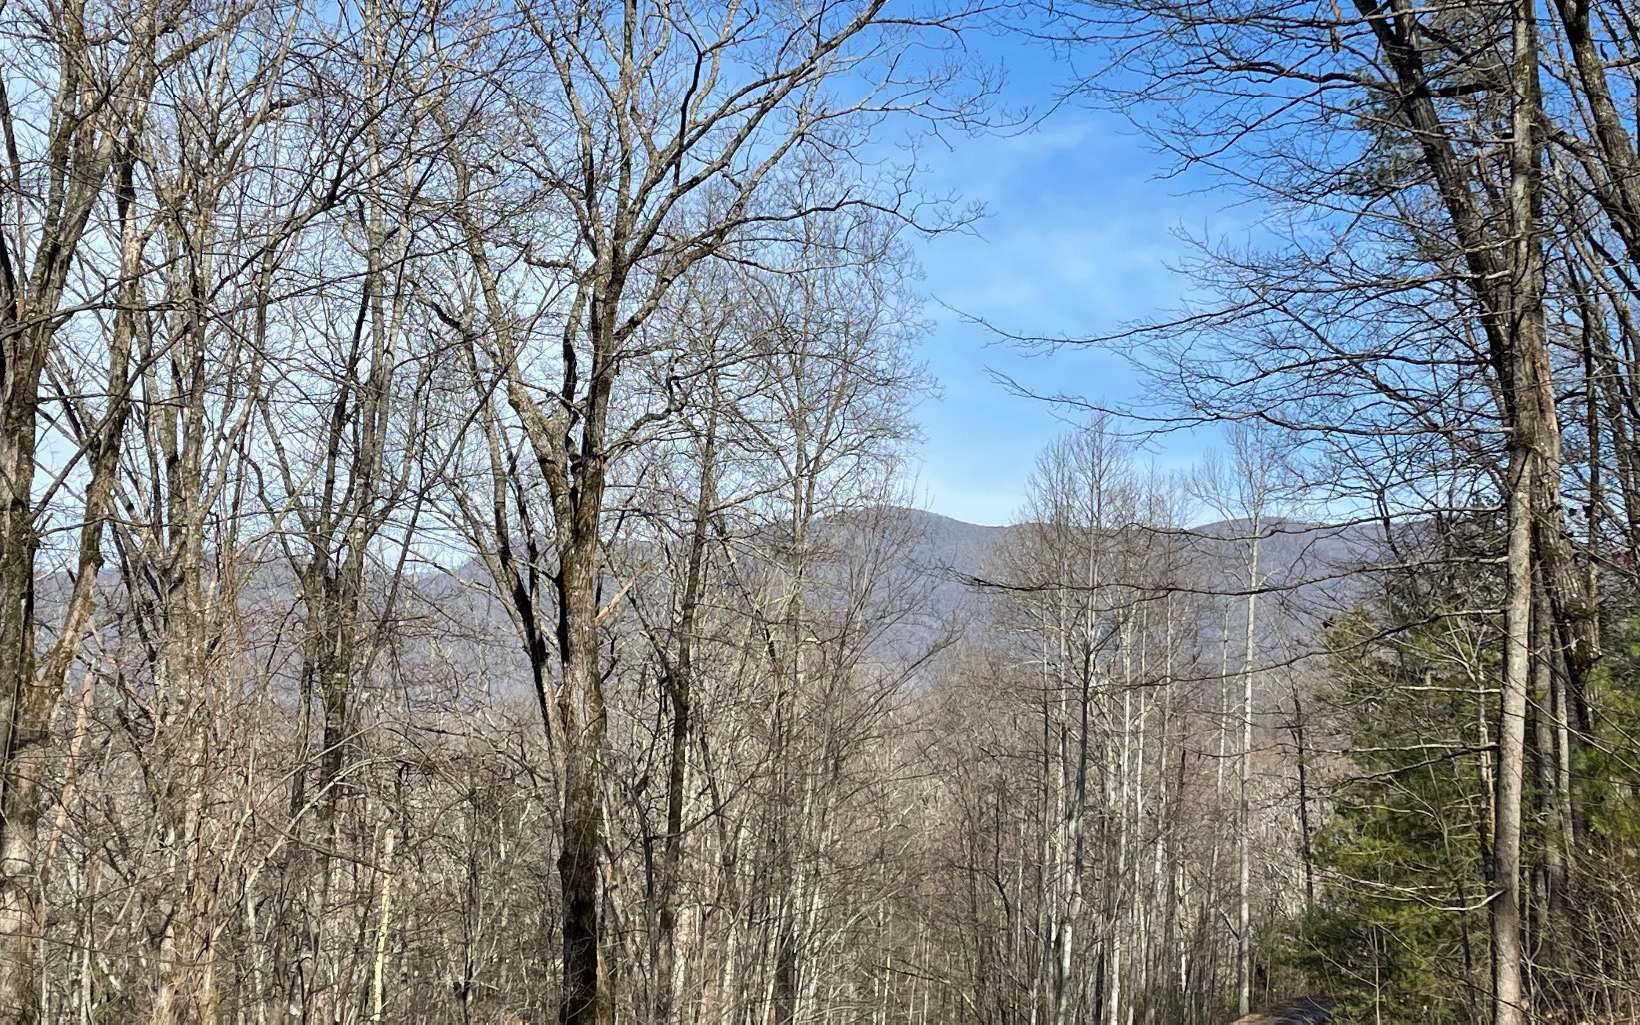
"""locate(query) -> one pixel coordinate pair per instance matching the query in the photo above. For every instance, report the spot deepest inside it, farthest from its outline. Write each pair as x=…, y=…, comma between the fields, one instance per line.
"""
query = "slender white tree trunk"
x=1244, y=822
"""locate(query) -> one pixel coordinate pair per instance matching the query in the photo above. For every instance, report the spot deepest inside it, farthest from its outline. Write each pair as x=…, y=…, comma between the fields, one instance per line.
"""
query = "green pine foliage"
x=1607, y=769
x=1399, y=934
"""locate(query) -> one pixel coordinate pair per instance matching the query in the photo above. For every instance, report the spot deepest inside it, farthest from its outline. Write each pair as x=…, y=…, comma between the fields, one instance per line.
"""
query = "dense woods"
x=458, y=559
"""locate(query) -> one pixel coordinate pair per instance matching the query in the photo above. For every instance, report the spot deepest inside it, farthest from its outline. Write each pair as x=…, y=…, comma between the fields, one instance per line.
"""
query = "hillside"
x=1309, y=573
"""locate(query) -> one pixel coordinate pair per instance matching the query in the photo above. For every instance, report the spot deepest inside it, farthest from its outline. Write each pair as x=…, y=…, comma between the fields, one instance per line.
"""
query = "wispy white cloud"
x=1079, y=238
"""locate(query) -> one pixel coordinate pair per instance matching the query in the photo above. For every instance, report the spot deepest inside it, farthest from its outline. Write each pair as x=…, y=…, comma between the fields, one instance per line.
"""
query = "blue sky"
x=1080, y=235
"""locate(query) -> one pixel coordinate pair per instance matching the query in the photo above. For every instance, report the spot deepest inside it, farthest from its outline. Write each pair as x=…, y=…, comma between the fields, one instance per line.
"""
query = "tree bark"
x=1528, y=366
x=680, y=677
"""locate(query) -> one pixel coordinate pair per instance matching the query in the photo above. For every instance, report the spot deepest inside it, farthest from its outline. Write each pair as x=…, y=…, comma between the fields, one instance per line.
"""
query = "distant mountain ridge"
x=936, y=569
x=1309, y=573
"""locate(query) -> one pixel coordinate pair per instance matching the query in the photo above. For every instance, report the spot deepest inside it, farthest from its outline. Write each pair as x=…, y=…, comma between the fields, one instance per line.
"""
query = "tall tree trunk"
x=77, y=160
x=1244, y=811
x=580, y=712
x=680, y=676
x=1528, y=368
x=1505, y=905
